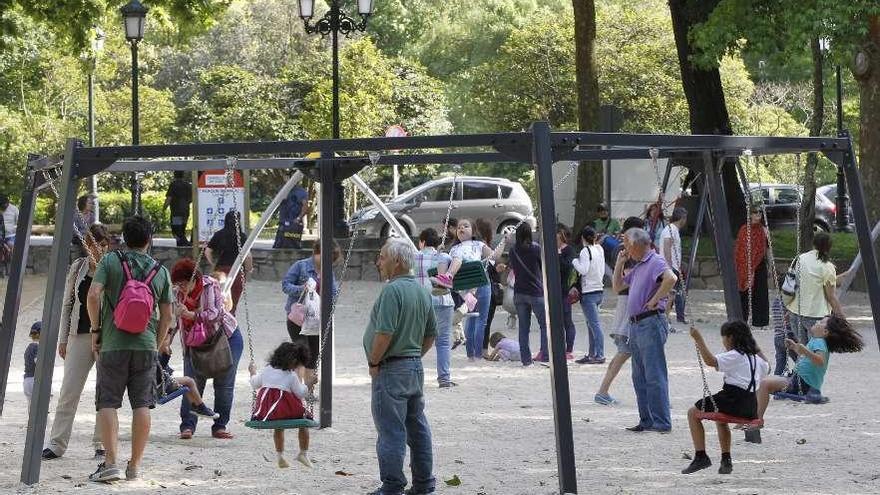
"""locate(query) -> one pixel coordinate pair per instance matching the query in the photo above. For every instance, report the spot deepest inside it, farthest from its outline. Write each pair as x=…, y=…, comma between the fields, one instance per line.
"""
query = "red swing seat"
x=726, y=418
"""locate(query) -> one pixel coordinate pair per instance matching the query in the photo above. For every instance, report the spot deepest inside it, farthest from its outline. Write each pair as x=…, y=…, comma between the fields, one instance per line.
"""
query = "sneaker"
x=203, y=410
x=48, y=454
x=282, y=463
x=449, y=384
x=584, y=360
x=185, y=434
x=105, y=473
x=726, y=466
x=458, y=342
x=540, y=357
x=131, y=473
x=697, y=465
x=443, y=280
x=418, y=491
x=304, y=459
x=604, y=399
x=636, y=428
x=383, y=492
x=753, y=436
x=99, y=454
x=597, y=360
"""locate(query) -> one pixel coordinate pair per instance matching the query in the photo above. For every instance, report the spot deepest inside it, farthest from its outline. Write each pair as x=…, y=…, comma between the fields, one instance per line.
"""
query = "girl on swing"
x=743, y=366
x=281, y=387
x=469, y=248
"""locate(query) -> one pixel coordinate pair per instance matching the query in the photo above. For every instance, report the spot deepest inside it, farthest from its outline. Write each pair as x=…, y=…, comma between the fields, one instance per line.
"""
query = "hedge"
x=115, y=206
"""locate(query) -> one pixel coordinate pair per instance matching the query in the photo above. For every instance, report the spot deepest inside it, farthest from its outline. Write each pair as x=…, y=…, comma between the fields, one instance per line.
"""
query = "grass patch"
x=844, y=246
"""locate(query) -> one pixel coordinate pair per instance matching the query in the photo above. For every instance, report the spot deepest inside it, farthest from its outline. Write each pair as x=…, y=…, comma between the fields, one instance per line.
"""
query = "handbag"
x=297, y=314
x=573, y=296
x=791, y=284
x=197, y=334
x=213, y=359
x=470, y=301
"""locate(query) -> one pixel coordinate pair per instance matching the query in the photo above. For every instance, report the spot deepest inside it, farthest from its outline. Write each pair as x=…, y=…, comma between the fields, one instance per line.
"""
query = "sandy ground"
x=494, y=431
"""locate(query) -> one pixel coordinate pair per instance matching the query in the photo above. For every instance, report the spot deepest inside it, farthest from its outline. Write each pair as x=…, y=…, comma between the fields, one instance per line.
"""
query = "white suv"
x=500, y=201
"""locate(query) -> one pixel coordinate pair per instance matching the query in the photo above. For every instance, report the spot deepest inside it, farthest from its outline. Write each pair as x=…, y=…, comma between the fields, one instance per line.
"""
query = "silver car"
x=500, y=201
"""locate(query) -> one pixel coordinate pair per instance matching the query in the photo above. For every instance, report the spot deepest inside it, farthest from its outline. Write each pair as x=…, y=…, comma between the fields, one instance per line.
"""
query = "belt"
x=641, y=316
x=390, y=359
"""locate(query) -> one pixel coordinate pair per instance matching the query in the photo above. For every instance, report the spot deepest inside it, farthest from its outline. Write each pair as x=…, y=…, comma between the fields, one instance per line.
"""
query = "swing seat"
x=172, y=395
x=808, y=399
x=283, y=424
x=471, y=275
x=728, y=419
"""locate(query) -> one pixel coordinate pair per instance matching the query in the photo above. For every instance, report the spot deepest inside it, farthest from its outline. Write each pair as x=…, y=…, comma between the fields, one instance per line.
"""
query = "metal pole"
x=135, y=125
x=842, y=199
x=39, y=411
x=542, y=158
x=327, y=204
x=723, y=235
x=12, y=300
x=860, y=214
x=698, y=229
x=335, y=218
x=93, y=180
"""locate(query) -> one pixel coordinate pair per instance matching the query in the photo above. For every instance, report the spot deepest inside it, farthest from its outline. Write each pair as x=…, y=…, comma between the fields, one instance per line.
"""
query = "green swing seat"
x=471, y=275
x=283, y=424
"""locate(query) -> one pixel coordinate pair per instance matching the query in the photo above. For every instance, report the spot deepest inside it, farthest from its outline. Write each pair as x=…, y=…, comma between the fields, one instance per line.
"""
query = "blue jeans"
x=443, y=344
x=473, y=332
x=224, y=389
x=568, y=323
x=650, y=380
x=525, y=306
x=590, y=302
x=781, y=354
x=398, y=406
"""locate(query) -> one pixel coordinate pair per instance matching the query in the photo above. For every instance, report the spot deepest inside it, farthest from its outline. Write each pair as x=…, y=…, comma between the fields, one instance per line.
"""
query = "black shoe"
x=448, y=385
x=418, y=491
x=48, y=455
x=696, y=465
x=100, y=454
x=584, y=360
x=457, y=343
x=726, y=466
x=753, y=436
x=381, y=492
x=636, y=428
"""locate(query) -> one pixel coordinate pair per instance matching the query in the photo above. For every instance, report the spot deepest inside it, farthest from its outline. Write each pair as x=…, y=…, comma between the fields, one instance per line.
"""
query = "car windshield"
x=436, y=192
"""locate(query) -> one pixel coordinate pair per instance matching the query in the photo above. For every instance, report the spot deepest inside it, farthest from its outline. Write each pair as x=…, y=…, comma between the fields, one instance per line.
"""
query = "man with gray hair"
x=649, y=282
x=401, y=330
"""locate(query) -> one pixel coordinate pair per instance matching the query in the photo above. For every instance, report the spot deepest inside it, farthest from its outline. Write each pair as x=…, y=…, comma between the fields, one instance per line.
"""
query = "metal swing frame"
x=537, y=146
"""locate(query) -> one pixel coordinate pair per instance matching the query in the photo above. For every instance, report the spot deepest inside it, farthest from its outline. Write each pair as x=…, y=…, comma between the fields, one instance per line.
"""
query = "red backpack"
x=134, y=308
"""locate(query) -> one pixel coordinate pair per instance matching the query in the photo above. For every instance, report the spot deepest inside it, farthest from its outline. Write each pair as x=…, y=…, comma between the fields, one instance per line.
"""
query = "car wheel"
x=507, y=227
x=819, y=226
x=387, y=231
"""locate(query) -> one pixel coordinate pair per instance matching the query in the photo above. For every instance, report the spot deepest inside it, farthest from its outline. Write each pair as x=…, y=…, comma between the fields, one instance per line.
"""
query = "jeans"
x=443, y=343
x=525, y=306
x=590, y=302
x=224, y=389
x=398, y=407
x=781, y=355
x=800, y=326
x=473, y=332
x=650, y=380
x=568, y=323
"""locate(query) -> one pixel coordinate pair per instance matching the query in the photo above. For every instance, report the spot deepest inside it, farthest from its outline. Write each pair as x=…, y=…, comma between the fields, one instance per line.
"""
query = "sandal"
x=222, y=434
x=185, y=434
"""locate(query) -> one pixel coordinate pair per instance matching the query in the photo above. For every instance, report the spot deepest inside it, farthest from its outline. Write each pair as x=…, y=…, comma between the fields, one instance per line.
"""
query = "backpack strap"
x=152, y=273
x=126, y=269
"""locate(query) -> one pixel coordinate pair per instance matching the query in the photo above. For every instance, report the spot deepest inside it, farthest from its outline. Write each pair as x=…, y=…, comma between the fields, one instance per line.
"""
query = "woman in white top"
x=591, y=267
x=469, y=248
x=75, y=344
x=815, y=297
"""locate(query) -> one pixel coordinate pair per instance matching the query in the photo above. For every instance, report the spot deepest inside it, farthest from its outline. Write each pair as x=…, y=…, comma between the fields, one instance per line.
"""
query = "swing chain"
x=51, y=181
x=451, y=205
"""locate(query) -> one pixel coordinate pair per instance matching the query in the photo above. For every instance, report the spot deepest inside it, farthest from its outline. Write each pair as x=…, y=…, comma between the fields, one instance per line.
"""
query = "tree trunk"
x=589, y=174
x=808, y=209
x=867, y=73
x=705, y=96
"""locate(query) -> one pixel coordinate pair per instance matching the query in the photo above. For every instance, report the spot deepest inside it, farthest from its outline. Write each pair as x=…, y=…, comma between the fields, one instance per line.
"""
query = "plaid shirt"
x=425, y=260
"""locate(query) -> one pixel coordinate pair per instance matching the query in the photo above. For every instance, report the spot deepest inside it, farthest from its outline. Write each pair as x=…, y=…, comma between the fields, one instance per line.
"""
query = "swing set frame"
x=537, y=146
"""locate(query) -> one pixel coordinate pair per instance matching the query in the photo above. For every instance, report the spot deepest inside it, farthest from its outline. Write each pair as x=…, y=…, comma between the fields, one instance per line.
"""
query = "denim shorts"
x=622, y=343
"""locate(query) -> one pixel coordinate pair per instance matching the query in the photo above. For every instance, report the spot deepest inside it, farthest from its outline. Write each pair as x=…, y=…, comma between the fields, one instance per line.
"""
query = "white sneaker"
x=304, y=460
x=282, y=463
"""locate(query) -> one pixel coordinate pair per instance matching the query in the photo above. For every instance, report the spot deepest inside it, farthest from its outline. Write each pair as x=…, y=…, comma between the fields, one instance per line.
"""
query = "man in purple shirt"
x=649, y=282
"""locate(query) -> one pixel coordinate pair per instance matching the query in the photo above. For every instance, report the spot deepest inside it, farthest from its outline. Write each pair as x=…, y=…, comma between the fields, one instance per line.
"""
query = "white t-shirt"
x=737, y=370
x=471, y=250
x=671, y=232
x=285, y=380
x=591, y=265
x=10, y=219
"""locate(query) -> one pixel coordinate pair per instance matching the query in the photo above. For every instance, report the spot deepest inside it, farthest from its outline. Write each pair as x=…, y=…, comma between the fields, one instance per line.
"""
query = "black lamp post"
x=336, y=21
x=842, y=199
x=134, y=16
x=97, y=46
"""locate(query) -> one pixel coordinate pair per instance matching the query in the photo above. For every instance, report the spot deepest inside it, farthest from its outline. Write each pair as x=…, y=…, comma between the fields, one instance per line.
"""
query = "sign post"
x=216, y=198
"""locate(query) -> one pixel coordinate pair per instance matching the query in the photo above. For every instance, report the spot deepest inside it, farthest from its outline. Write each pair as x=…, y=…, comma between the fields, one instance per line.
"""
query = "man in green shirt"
x=401, y=330
x=604, y=224
x=126, y=361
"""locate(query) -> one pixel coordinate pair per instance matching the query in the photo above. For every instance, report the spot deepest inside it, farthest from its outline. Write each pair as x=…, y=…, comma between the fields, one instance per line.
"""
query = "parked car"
x=782, y=201
x=500, y=201
x=830, y=192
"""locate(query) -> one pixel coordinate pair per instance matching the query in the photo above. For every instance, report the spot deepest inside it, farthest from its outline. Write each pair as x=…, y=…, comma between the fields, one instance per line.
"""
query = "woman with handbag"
x=591, y=267
x=302, y=285
x=751, y=273
x=211, y=341
x=528, y=293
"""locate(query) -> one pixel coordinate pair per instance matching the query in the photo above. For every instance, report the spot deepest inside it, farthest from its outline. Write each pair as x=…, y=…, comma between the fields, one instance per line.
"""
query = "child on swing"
x=467, y=248
x=744, y=367
x=281, y=387
x=830, y=334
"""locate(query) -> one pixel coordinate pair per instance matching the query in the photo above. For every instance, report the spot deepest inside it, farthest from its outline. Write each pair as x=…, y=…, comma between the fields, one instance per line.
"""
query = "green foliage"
x=115, y=207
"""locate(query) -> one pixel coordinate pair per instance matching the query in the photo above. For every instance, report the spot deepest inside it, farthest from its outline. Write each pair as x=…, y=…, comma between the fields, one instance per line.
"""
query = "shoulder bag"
x=213, y=359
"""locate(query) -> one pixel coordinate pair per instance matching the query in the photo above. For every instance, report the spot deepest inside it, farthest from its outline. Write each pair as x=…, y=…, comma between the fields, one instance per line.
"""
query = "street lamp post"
x=842, y=199
x=92, y=61
x=134, y=16
x=336, y=21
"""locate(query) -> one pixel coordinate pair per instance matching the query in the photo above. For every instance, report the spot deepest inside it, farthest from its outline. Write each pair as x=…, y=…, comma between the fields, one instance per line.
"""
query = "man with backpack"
x=129, y=306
